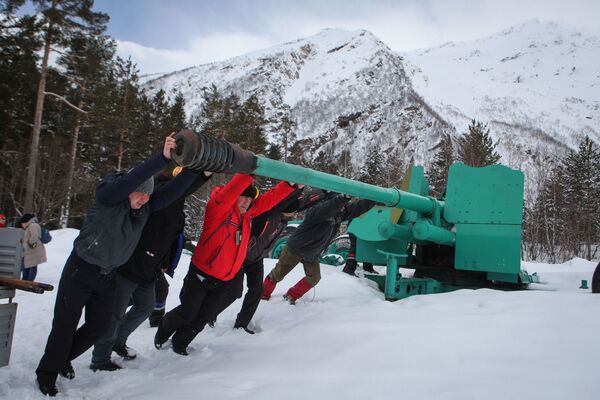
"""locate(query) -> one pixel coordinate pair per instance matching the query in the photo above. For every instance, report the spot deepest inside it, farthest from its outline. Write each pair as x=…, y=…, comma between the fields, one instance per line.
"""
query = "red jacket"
x=217, y=253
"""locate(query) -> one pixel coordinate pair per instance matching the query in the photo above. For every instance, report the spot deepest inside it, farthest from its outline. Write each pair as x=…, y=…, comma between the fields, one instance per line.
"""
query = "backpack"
x=45, y=236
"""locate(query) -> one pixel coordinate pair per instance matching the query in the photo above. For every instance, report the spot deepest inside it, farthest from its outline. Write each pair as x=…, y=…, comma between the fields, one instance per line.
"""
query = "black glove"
x=344, y=197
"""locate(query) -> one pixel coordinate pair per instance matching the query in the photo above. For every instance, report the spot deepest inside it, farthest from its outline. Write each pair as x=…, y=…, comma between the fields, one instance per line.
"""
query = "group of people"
x=132, y=236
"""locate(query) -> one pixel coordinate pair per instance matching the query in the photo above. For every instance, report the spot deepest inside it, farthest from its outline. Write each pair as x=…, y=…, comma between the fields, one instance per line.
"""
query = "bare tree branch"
x=67, y=102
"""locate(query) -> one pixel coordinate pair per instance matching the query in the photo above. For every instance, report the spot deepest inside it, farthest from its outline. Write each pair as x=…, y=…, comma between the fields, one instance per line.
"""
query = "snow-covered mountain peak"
x=536, y=76
x=535, y=85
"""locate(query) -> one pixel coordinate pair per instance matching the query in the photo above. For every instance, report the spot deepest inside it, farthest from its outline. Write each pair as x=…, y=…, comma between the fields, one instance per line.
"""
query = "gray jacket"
x=112, y=229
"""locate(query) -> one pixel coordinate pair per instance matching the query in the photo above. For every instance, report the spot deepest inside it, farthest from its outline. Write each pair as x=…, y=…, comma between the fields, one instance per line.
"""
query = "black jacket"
x=111, y=228
x=322, y=223
x=153, y=251
x=267, y=227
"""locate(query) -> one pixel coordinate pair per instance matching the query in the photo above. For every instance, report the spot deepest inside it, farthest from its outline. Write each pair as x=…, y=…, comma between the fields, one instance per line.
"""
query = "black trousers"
x=161, y=288
x=82, y=285
x=254, y=280
x=201, y=296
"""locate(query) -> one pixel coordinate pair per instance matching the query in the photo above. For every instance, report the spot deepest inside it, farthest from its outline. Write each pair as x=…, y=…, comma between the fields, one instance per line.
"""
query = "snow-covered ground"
x=344, y=341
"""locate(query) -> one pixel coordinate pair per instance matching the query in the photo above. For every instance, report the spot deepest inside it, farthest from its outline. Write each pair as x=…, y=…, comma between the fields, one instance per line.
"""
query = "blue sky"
x=167, y=35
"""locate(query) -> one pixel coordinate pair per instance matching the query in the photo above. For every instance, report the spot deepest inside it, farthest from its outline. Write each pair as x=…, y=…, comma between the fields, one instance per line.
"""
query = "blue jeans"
x=124, y=322
x=29, y=274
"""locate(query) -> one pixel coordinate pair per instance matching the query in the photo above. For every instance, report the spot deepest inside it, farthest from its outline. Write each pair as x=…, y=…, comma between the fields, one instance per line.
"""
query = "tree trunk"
x=37, y=125
x=123, y=130
x=65, y=211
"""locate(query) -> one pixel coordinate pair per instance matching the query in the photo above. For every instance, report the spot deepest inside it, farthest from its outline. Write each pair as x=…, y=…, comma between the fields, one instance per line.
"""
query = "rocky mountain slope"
x=535, y=84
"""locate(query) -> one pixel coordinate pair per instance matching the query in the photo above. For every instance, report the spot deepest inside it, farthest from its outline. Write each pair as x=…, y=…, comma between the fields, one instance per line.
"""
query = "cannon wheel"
x=281, y=241
x=279, y=245
x=596, y=280
x=340, y=245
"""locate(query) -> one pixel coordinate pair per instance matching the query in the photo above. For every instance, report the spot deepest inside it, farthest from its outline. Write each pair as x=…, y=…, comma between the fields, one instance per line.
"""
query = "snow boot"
x=181, y=350
x=68, y=371
x=126, y=352
x=268, y=287
x=238, y=325
x=47, y=384
x=368, y=267
x=350, y=267
x=297, y=291
x=105, y=366
x=159, y=339
x=156, y=317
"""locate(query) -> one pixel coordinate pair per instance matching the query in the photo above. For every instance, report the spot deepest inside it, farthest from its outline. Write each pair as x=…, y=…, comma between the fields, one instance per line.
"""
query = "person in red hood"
x=2, y=221
x=217, y=258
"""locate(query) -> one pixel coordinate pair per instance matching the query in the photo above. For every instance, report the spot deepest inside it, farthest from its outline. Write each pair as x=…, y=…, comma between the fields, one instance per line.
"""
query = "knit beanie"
x=146, y=187
x=25, y=218
x=251, y=191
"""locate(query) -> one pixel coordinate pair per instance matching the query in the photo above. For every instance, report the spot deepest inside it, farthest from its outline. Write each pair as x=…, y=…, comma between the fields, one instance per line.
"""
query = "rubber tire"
x=342, y=247
x=596, y=280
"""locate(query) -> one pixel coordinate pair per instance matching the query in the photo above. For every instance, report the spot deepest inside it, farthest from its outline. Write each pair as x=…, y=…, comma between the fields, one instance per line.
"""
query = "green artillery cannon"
x=469, y=239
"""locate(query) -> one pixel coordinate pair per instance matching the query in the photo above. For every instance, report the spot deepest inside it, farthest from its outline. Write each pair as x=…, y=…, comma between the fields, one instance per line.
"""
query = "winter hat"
x=25, y=218
x=251, y=191
x=146, y=187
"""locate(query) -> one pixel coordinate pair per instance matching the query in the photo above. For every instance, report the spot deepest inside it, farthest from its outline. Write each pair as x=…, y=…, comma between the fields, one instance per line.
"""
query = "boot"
x=126, y=352
x=159, y=339
x=239, y=325
x=181, y=350
x=47, y=384
x=297, y=291
x=105, y=366
x=350, y=266
x=368, y=267
x=155, y=317
x=268, y=287
x=68, y=371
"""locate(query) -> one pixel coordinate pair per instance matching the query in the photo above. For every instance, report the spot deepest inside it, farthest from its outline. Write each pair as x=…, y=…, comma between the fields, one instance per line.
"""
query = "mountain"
x=346, y=91
x=535, y=84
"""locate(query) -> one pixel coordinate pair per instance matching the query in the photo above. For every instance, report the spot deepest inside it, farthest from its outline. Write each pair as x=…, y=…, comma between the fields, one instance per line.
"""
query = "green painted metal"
x=471, y=238
x=486, y=195
x=388, y=196
x=424, y=229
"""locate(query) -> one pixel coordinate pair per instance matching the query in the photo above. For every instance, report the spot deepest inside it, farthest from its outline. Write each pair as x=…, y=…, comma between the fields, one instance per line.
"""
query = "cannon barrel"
x=388, y=196
x=197, y=151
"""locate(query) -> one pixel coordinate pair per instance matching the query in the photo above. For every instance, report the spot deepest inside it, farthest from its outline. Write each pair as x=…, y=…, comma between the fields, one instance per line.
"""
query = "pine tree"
x=127, y=77
x=393, y=169
x=582, y=189
x=88, y=63
x=19, y=47
x=284, y=132
x=372, y=170
x=231, y=119
x=476, y=147
x=443, y=159
x=61, y=19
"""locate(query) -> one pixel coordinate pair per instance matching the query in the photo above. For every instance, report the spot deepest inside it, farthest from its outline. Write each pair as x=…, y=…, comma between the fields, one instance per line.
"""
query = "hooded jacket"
x=154, y=247
x=322, y=223
x=267, y=227
x=223, y=244
x=112, y=229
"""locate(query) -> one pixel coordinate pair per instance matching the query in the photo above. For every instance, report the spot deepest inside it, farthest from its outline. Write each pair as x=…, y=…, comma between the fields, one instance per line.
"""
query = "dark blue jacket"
x=112, y=229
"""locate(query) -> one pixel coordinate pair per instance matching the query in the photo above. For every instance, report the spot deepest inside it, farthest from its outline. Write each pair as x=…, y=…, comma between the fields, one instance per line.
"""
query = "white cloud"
x=199, y=50
x=402, y=25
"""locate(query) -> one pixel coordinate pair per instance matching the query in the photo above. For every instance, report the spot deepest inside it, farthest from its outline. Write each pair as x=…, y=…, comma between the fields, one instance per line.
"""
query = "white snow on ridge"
x=537, y=73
